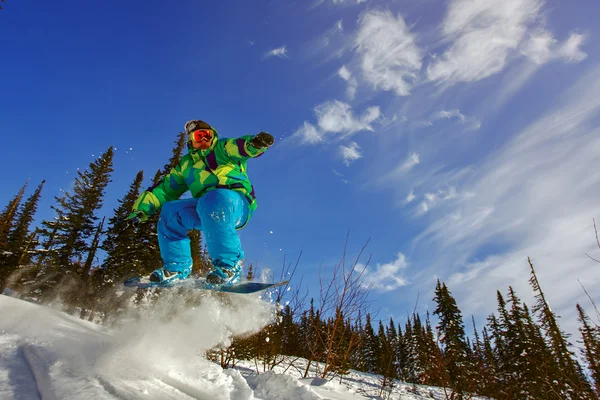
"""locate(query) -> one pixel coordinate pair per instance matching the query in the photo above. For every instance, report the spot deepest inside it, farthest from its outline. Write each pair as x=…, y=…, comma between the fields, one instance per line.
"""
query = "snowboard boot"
x=163, y=277
x=224, y=275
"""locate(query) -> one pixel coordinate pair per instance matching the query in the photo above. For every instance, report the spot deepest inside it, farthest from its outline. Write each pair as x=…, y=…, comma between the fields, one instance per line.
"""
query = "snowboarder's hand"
x=132, y=221
x=262, y=140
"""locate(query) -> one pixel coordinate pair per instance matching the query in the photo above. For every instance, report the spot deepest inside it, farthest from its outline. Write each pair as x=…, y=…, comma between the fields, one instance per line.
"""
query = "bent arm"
x=169, y=188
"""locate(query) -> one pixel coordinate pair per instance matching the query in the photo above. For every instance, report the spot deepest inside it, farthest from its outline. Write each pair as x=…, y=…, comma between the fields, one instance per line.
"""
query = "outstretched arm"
x=249, y=146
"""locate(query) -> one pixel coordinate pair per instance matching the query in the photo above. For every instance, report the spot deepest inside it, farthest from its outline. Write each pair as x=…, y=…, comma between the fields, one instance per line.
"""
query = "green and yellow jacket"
x=221, y=166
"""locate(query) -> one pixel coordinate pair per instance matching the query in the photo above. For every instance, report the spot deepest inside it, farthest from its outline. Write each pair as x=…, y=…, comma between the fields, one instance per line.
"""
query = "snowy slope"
x=46, y=354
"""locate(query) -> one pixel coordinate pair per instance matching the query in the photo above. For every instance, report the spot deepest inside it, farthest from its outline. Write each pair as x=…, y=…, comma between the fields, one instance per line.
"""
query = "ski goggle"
x=201, y=135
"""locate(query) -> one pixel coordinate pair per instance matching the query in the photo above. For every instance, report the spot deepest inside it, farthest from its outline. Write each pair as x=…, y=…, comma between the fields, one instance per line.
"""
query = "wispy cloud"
x=405, y=166
x=483, y=32
x=484, y=35
x=336, y=118
x=541, y=47
x=535, y=197
x=388, y=55
x=350, y=153
x=309, y=134
x=280, y=52
x=385, y=277
x=431, y=199
x=346, y=75
x=470, y=122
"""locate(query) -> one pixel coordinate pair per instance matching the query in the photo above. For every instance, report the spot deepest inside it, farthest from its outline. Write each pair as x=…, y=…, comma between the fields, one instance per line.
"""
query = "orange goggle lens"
x=202, y=135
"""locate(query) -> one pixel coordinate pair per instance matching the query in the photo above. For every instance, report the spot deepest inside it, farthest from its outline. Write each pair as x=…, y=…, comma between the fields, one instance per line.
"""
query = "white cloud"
x=350, y=153
x=484, y=36
x=408, y=164
x=453, y=114
x=571, y=51
x=346, y=75
x=431, y=199
x=309, y=134
x=535, y=197
x=389, y=58
x=470, y=122
x=541, y=47
x=280, y=52
x=385, y=277
x=411, y=196
x=336, y=116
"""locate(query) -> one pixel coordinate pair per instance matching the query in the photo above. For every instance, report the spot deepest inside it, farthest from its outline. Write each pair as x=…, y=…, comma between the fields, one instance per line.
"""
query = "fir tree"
x=7, y=219
x=124, y=254
x=371, y=348
x=385, y=360
x=452, y=337
x=147, y=240
x=20, y=239
x=591, y=346
x=75, y=220
x=573, y=383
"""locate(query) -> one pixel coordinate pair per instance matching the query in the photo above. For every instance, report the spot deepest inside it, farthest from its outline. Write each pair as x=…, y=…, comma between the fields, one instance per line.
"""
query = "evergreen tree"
x=411, y=369
x=452, y=337
x=591, y=346
x=19, y=242
x=75, y=220
x=573, y=383
x=402, y=355
x=385, y=361
x=7, y=219
x=147, y=240
x=124, y=255
x=290, y=339
x=371, y=348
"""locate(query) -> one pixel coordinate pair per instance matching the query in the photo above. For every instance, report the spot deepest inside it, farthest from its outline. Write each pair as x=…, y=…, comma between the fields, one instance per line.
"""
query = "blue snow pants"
x=217, y=214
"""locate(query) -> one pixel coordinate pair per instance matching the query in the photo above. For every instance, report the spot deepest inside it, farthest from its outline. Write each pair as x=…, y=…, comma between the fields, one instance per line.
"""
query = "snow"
x=47, y=354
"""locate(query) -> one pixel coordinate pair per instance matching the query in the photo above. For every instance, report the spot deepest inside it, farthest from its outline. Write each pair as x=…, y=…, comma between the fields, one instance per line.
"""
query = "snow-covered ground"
x=46, y=354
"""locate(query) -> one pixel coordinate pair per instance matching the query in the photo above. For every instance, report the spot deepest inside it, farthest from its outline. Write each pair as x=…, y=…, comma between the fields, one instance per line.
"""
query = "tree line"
x=520, y=353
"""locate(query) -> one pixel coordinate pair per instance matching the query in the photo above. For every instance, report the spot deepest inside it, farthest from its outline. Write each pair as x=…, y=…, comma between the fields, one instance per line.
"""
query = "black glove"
x=262, y=140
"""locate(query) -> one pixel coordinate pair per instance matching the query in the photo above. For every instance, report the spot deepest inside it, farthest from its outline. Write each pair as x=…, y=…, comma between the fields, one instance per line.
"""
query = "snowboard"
x=246, y=287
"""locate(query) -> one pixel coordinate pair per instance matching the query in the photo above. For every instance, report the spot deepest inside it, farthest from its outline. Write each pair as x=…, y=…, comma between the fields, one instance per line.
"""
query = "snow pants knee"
x=217, y=214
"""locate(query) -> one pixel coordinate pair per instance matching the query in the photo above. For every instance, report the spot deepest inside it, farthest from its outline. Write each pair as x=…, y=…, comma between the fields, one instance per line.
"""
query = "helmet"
x=196, y=124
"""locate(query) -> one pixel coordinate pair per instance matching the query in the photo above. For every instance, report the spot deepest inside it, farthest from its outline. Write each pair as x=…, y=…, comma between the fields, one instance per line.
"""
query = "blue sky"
x=459, y=136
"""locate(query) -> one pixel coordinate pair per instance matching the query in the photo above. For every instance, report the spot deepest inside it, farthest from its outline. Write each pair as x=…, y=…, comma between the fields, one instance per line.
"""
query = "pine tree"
x=371, y=348
x=147, y=240
x=75, y=220
x=124, y=255
x=290, y=339
x=7, y=219
x=20, y=244
x=402, y=354
x=573, y=383
x=412, y=369
x=452, y=337
x=385, y=360
x=591, y=350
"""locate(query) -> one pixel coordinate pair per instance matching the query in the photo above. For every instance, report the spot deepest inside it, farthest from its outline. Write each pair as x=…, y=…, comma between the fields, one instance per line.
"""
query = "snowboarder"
x=223, y=200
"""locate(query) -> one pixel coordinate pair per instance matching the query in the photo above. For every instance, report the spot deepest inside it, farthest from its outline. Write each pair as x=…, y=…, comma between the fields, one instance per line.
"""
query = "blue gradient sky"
x=459, y=136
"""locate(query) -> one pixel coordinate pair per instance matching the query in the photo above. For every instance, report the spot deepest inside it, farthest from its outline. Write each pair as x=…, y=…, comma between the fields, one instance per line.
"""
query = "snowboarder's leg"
x=176, y=218
x=221, y=212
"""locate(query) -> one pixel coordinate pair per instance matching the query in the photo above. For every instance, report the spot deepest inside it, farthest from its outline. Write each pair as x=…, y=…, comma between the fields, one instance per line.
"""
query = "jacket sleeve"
x=169, y=188
x=241, y=149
